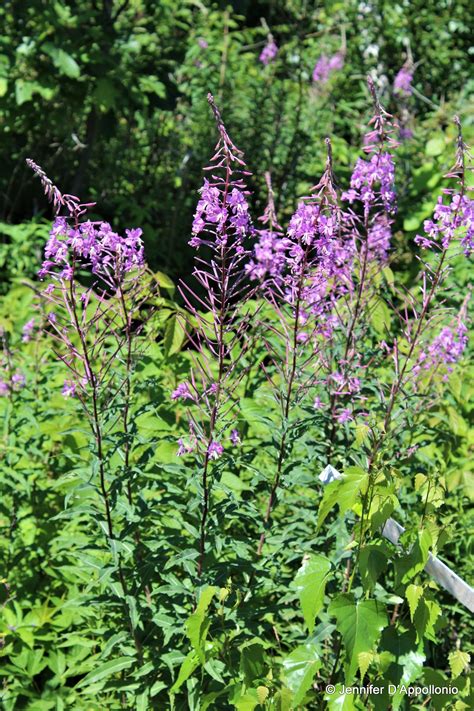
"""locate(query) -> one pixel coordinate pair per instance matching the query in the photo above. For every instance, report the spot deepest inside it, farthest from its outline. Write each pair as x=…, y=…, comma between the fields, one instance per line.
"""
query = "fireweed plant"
x=228, y=573
x=94, y=324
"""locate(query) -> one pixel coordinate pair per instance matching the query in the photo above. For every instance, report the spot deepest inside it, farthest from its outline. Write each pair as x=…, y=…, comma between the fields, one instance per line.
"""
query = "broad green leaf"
x=413, y=594
x=427, y=612
x=436, y=145
x=175, y=335
x=380, y=317
x=252, y=661
x=164, y=281
x=413, y=562
x=458, y=661
x=365, y=659
x=339, y=699
x=343, y=492
x=113, y=666
x=63, y=61
x=360, y=624
x=310, y=583
x=299, y=669
x=373, y=560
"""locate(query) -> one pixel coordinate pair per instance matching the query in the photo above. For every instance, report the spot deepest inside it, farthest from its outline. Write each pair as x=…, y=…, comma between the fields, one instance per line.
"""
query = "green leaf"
x=252, y=661
x=360, y=624
x=175, y=335
x=310, y=583
x=458, y=661
x=365, y=659
x=436, y=145
x=63, y=61
x=343, y=492
x=114, y=666
x=299, y=669
x=164, y=281
x=380, y=318
x=413, y=562
x=197, y=625
x=340, y=700
x=373, y=560
x=413, y=594
x=24, y=91
x=427, y=612
x=3, y=86
x=190, y=663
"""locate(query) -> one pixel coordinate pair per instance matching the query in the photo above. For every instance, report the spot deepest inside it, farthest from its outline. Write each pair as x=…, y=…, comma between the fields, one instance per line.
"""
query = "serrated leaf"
x=299, y=669
x=262, y=694
x=427, y=612
x=343, y=492
x=413, y=562
x=458, y=661
x=310, y=583
x=360, y=624
x=373, y=560
x=413, y=594
x=365, y=660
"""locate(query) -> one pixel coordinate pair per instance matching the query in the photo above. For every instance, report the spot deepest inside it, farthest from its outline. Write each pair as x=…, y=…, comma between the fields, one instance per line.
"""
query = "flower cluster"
x=11, y=383
x=269, y=52
x=92, y=245
x=446, y=349
x=458, y=215
x=402, y=83
x=216, y=213
x=222, y=211
x=325, y=66
x=27, y=331
x=373, y=181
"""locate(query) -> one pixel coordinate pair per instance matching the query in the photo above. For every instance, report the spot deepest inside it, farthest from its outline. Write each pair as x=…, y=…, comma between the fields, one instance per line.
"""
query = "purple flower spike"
x=182, y=392
x=215, y=450
x=69, y=388
x=269, y=52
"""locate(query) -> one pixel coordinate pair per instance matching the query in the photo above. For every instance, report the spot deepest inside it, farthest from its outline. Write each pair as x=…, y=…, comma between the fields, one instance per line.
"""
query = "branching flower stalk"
x=302, y=288
x=450, y=222
x=92, y=327
x=221, y=226
x=372, y=186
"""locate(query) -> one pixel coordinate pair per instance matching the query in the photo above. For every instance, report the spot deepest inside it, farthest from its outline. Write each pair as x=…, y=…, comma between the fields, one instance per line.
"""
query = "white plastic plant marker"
x=438, y=570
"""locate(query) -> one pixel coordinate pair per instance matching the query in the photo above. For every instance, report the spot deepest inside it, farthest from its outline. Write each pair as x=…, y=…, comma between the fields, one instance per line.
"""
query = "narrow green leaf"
x=113, y=666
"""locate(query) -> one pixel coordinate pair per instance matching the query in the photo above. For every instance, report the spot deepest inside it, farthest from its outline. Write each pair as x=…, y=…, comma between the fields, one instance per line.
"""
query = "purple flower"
x=4, y=388
x=379, y=238
x=215, y=450
x=372, y=181
x=27, y=330
x=269, y=52
x=317, y=403
x=235, y=437
x=455, y=218
x=344, y=415
x=402, y=83
x=202, y=43
x=182, y=392
x=326, y=65
x=69, y=388
x=92, y=245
